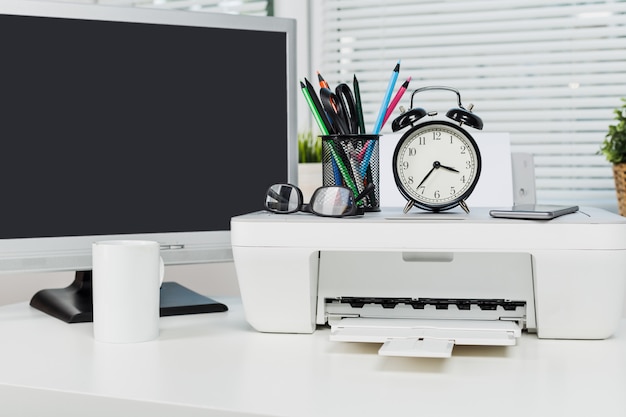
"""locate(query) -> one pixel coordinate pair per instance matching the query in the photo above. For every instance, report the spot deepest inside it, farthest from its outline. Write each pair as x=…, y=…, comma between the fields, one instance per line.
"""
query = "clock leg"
x=463, y=205
x=408, y=206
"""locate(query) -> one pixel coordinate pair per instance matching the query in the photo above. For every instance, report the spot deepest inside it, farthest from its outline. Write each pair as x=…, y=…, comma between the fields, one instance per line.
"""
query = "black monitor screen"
x=113, y=127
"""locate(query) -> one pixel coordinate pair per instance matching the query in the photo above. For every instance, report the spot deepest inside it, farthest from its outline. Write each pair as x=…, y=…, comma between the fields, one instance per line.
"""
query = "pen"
x=359, y=105
x=396, y=99
x=385, y=103
x=323, y=83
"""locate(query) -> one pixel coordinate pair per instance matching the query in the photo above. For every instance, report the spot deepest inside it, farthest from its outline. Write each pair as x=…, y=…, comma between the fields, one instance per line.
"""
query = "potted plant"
x=309, y=148
x=614, y=150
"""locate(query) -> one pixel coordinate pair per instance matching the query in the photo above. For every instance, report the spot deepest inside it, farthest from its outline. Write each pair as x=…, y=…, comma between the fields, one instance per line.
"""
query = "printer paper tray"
x=424, y=338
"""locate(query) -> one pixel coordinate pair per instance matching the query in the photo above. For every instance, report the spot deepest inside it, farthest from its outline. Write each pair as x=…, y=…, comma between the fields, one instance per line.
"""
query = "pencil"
x=385, y=103
x=323, y=83
x=316, y=114
x=313, y=102
x=318, y=106
x=359, y=105
x=396, y=99
x=342, y=168
x=369, y=145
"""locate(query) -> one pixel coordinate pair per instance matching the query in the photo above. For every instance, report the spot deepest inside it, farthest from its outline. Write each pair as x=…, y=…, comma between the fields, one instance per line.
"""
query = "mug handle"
x=161, y=271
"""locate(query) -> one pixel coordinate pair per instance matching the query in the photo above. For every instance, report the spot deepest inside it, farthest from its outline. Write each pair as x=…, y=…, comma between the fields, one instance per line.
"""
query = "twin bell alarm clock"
x=436, y=163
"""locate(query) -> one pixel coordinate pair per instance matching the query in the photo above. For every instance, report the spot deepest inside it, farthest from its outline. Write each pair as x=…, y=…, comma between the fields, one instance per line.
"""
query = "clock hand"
x=427, y=175
x=436, y=165
x=448, y=168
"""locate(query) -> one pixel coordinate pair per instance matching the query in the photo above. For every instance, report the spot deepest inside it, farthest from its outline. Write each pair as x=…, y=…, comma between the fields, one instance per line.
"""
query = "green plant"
x=309, y=148
x=614, y=145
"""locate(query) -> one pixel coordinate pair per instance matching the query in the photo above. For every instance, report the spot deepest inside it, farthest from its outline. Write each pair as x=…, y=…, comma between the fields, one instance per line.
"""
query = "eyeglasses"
x=332, y=201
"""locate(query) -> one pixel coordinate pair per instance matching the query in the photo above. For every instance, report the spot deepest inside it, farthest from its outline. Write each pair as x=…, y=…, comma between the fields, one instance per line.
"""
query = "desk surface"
x=215, y=364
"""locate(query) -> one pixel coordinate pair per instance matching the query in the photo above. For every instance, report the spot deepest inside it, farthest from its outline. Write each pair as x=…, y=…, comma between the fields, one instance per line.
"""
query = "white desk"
x=216, y=365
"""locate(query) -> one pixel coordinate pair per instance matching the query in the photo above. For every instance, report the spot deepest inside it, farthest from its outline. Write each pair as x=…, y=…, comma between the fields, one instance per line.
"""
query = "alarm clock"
x=436, y=163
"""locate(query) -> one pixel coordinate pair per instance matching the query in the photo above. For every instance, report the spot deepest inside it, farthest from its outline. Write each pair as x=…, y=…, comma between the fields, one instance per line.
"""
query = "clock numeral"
x=436, y=135
x=422, y=140
x=421, y=190
x=452, y=191
x=463, y=149
x=437, y=194
x=412, y=151
x=463, y=179
x=468, y=164
x=410, y=179
x=405, y=165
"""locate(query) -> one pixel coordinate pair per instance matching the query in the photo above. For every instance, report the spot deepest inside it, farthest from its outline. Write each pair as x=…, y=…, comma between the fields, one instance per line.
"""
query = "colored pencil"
x=383, y=106
x=318, y=106
x=311, y=98
x=396, y=99
x=316, y=115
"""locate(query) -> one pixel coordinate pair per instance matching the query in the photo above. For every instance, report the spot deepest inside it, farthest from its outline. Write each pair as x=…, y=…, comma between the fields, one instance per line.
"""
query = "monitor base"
x=73, y=304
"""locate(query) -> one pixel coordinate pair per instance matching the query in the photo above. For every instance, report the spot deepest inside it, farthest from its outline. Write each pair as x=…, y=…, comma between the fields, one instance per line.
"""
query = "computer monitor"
x=136, y=123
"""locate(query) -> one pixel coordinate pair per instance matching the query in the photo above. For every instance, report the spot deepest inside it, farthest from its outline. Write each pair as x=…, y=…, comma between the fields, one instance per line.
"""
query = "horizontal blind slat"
x=548, y=72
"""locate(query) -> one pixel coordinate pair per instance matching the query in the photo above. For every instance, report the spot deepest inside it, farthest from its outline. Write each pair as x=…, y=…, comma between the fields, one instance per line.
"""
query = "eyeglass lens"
x=283, y=198
x=332, y=201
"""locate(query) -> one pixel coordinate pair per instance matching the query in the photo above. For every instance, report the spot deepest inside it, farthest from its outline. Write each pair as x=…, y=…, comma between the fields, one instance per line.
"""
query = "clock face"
x=436, y=165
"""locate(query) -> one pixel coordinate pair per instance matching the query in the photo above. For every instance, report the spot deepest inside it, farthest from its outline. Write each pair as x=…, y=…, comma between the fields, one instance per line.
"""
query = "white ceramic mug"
x=127, y=275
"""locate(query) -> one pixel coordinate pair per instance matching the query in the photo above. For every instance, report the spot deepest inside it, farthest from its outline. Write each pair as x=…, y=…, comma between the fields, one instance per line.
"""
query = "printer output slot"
x=428, y=308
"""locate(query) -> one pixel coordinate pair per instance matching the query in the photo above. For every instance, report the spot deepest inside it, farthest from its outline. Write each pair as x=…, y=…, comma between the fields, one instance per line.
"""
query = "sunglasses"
x=331, y=201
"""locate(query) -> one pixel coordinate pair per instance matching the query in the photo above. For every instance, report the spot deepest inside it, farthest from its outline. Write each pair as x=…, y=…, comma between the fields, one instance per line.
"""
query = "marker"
x=396, y=99
x=385, y=103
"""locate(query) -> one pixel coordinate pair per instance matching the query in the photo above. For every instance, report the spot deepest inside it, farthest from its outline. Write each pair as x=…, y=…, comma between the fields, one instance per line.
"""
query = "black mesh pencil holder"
x=352, y=161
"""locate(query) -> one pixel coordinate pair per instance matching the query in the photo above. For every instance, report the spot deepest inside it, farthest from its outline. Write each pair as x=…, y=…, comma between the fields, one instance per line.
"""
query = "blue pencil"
x=385, y=103
x=369, y=145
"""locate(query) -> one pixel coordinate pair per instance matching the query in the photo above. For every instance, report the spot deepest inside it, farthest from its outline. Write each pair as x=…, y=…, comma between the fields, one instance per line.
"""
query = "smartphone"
x=533, y=211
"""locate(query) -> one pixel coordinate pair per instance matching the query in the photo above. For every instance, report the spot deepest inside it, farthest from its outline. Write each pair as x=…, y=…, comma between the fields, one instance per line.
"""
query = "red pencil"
x=396, y=99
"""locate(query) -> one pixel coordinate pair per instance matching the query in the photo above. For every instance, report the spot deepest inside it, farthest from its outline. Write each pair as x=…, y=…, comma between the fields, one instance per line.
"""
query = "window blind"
x=549, y=72
x=248, y=7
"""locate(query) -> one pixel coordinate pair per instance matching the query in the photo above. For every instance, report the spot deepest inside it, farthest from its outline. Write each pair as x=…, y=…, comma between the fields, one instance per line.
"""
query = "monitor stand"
x=73, y=304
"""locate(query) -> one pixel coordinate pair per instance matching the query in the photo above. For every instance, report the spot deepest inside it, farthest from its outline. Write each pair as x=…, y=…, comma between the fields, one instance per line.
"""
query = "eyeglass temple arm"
x=369, y=188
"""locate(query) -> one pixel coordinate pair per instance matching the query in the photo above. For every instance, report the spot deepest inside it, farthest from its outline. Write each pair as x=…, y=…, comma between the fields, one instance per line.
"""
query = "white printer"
x=419, y=283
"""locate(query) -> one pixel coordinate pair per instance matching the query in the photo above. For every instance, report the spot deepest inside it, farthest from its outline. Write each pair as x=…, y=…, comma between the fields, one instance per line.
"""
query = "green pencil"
x=316, y=114
x=336, y=158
